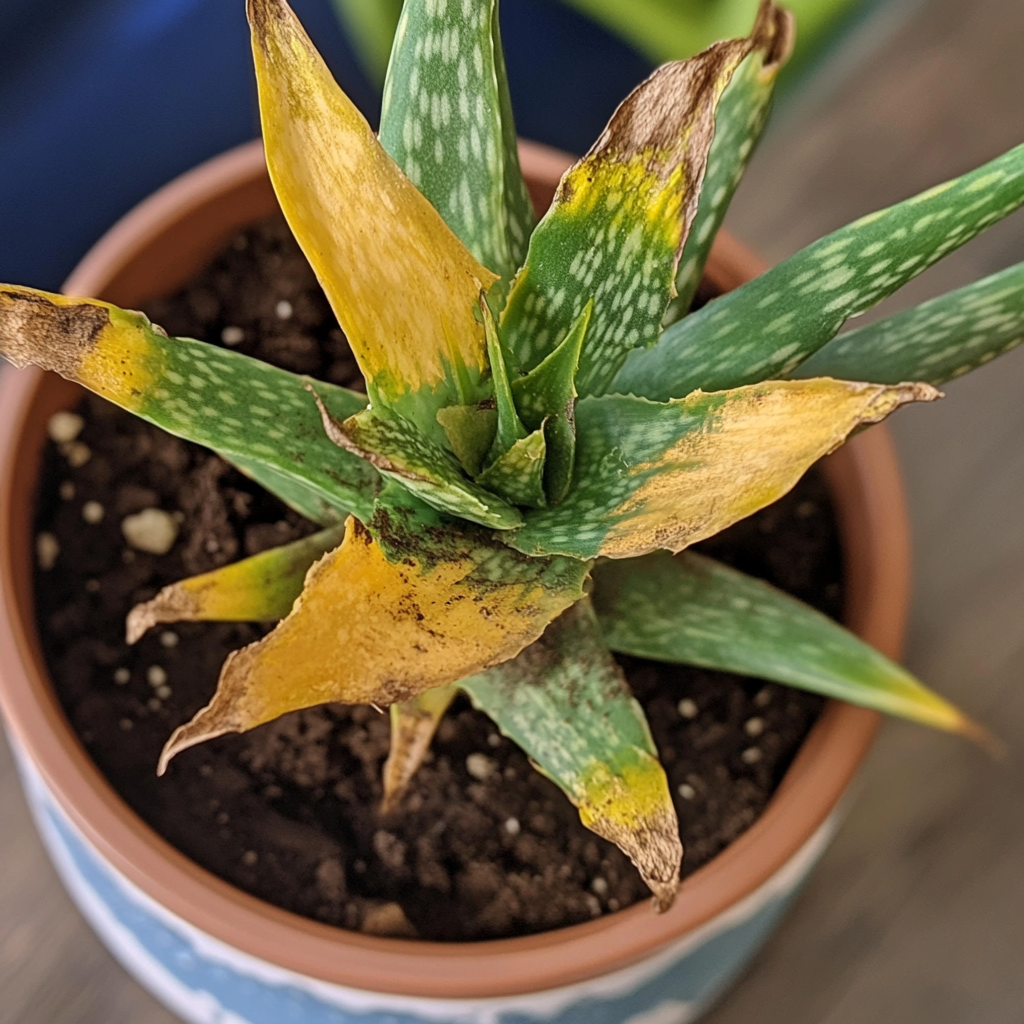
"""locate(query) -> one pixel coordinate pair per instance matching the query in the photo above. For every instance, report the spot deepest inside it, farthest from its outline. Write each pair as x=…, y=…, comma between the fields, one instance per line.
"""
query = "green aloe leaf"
x=616, y=229
x=546, y=397
x=470, y=431
x=509, y=427
x=652, y=476
x=447, y=121
x=371, y=24
x=693, y=610
x=257, y=589
x=255, y=415
x=296, y=494
x=397, y=450
x=565, y=702
x=769, y=326
x=413, y=724
x=936, y=341
x=739, y=121
x=518, y=475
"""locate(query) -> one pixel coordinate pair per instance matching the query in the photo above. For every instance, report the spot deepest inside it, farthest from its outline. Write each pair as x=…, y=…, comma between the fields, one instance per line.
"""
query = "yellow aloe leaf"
x=413, y=724
x=419, y=602
x=256, y=589
x=655, y=476
x=402, y=285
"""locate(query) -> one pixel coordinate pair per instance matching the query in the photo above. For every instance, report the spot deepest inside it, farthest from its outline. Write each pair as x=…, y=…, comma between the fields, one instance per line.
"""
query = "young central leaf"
x=417, y=601
x=519, y=473
x=620, y=218
x=397, y=450
x=447, y=121
x=546, y=400
x=565, y=702
x=666, y=476
x=403, y=287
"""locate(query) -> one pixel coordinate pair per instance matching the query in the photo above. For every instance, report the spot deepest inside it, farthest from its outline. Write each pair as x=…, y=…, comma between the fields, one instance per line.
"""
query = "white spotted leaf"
x=621, y=215
x=696, y=611
x=447, y=121
x=936, y=341
x=259, y=417
x=566, y=703
x=769, y=326
x=739, y=121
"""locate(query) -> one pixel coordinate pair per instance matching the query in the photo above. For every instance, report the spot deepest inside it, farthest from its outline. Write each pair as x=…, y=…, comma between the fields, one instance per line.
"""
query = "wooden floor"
x=916, y=914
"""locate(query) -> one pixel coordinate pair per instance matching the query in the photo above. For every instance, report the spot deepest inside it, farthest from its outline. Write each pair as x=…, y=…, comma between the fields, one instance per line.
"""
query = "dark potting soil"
x=482, y=846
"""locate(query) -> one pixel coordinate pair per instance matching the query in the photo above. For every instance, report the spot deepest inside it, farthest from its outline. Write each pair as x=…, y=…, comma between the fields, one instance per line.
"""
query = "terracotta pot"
x=213, y=953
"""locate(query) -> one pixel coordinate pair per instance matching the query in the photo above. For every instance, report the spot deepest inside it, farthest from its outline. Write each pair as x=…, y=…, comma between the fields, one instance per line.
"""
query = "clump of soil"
x=482, y=846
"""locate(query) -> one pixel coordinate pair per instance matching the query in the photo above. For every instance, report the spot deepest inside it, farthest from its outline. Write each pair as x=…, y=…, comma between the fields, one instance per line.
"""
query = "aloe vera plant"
x=499, y=511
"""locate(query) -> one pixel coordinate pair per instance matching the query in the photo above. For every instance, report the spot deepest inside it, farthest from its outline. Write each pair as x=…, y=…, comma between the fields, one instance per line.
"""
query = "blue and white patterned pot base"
x=205, y=981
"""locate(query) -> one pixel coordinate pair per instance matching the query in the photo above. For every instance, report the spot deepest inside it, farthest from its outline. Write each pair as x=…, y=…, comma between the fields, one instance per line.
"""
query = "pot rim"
x=865, y=481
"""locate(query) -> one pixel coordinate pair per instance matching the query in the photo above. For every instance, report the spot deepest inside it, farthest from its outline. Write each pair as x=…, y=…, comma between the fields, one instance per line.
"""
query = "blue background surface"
x=104, y=101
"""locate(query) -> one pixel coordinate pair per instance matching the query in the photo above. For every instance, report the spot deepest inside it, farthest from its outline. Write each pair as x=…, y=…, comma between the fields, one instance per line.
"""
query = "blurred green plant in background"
x=662, y=30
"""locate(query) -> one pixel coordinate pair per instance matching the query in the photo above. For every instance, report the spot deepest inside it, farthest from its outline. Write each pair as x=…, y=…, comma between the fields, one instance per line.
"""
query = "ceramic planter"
x=215, y=954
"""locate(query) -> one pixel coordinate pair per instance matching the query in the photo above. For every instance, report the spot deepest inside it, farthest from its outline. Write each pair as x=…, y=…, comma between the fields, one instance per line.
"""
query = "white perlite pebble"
x=754, y=726
x=284, y=310
x=687, y=708
x=156, y=676
x=169, y=639
x=151, y=530
x=232, y=335
x=480, y=766
x=686, y=791
x=122, y=676
x=163, y=692
x=47, y=551
x=751, y=755
x=512, y=826
x=93, y=512
x=599, y=886
x=64, y=427
x=77, y=454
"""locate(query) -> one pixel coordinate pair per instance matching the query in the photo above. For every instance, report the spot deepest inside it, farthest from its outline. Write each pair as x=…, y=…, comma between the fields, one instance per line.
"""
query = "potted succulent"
x=498, y=511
